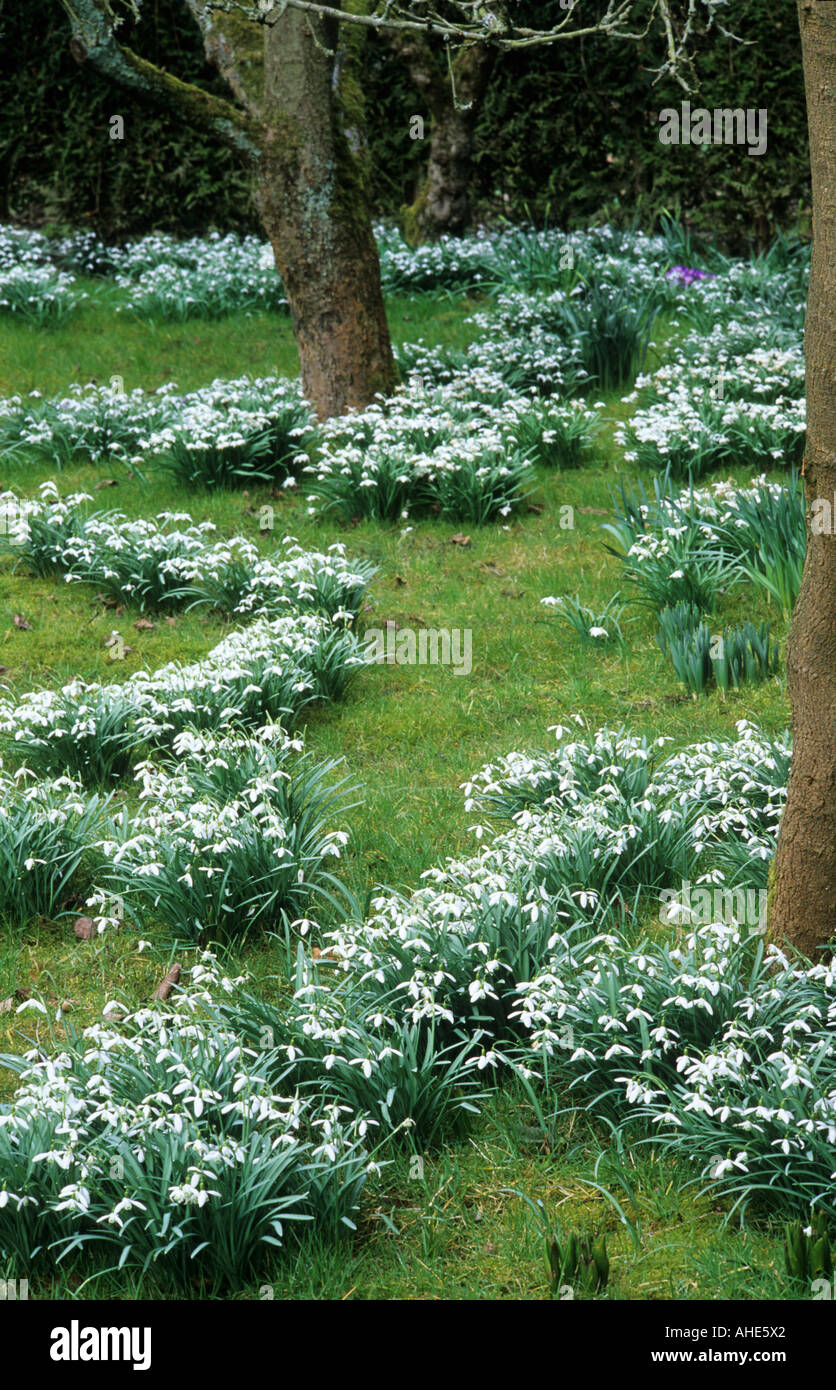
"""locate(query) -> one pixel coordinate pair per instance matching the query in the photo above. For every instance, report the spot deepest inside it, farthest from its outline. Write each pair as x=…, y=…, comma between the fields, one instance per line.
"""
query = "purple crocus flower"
x=687, y=274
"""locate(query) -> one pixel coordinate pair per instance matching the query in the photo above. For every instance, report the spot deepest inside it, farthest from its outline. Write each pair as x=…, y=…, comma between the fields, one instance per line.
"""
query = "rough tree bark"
x=297, y=121
x=443, y=203
x=803, y=906
x=311, y=193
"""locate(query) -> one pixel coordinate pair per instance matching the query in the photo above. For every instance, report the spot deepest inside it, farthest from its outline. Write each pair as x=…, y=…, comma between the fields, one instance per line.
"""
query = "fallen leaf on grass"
x=19, y=997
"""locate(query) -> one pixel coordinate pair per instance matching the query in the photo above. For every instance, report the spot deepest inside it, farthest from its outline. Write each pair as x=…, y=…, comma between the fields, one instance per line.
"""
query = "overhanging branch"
x=94, y=41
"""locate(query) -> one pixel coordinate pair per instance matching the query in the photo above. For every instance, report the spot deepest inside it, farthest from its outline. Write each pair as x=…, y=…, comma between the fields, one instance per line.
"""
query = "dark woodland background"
x=568, y=135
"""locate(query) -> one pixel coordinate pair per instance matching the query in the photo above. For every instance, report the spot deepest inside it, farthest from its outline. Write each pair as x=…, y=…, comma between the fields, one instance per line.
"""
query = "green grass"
x=410, y=737
x=97, y=343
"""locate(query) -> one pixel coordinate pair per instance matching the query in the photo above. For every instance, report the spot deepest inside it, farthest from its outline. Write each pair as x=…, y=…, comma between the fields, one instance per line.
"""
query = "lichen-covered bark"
x=803, y=902
x=443, y=202
x=312, y=197
x=234, y=45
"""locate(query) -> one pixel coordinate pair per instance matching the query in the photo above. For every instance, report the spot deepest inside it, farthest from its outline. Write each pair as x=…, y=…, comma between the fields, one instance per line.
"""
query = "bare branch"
x=487, y=21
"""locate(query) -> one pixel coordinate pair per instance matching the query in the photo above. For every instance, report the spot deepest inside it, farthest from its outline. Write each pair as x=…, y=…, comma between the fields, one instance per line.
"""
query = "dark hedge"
x=568, y=134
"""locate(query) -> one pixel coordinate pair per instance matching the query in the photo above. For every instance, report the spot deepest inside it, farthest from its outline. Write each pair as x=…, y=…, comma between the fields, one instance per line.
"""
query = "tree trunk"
x=332, y=282
x=312, y=194
x=804, y=897
x=443, y=204
x=299, y=126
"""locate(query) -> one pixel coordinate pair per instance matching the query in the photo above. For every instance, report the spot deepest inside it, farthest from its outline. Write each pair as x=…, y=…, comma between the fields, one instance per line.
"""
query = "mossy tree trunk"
x=296, y=118
x=312, y=195
x=453, y=100
x=803, y=902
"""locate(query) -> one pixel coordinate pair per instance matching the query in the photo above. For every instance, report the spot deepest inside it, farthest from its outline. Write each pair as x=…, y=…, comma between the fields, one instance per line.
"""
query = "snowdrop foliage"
x=685, y=547
x=723, y=396
x=236, y=837
x=169, y=561
x=216, y=435
x=166, y=1142
x=721, y=1048
x=48, y=830
x=267, y=671
x=526, y=957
